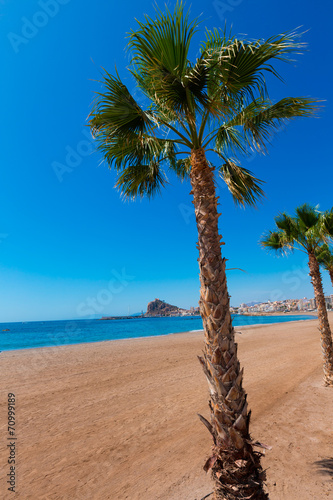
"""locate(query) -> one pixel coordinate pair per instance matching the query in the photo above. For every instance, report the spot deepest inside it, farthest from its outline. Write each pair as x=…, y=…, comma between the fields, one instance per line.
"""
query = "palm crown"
x=306, y=230
x=218, y=103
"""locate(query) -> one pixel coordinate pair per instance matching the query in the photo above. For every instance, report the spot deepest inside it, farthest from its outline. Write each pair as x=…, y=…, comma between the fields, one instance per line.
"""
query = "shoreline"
x=252, y=325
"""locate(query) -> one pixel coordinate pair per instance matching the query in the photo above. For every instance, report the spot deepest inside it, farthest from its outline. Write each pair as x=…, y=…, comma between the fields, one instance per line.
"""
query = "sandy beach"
x=117, y=420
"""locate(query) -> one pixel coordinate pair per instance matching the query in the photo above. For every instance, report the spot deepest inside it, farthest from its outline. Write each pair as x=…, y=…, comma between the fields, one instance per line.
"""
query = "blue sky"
x=69, y=246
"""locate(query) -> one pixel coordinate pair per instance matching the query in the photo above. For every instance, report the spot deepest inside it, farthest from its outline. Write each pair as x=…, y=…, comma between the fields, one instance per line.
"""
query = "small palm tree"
x=218, y=103
x=306, y=232
x=325, y=259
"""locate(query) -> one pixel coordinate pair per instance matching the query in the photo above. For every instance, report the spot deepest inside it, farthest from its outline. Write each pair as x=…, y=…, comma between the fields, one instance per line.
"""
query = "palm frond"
x=324, y=256
x=160, y=52
x=195, y=80
x=328, y=223
x=289, y=226
x=277, y=241
x=116, y=112
x=230, y=140
x=242, y=184
x=308, y=216
x=139, y=159
x=239, y=66
x=141, y=180
x=261, y=119
x=285, y=223
x=310, y=225
x=120, y=151
x=182, y=168
x=159, y=112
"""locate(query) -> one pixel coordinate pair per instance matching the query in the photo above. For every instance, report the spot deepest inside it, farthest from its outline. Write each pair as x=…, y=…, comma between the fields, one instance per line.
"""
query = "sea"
x=56, y=333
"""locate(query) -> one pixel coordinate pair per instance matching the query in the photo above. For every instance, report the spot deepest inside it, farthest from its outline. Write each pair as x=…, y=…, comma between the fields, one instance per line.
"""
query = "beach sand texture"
x=117, y=420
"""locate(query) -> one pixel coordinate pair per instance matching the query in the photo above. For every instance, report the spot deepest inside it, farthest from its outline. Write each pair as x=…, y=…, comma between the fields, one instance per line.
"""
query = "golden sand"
x=117, y=420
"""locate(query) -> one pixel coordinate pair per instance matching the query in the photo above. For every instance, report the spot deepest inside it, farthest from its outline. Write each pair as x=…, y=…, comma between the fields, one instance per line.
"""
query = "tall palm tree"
x=218, y=103
x=306, y=232
x=325, y=258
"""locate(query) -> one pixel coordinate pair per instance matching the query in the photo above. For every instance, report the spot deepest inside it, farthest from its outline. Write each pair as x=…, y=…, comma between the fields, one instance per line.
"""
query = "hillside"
x=160, y=308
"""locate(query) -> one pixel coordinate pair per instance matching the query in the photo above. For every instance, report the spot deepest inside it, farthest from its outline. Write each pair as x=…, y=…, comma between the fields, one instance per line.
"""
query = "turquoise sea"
x=53, y=333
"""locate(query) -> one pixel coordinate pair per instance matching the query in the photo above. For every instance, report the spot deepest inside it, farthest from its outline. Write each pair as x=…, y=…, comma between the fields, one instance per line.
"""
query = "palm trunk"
x=236, y=467
x=324, y=326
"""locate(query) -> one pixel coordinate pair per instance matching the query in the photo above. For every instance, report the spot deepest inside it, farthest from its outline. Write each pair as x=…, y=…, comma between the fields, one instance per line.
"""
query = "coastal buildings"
x=279, y=306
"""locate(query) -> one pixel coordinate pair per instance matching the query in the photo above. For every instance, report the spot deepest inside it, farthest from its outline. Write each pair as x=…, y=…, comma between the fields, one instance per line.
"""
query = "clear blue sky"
x=73, y=248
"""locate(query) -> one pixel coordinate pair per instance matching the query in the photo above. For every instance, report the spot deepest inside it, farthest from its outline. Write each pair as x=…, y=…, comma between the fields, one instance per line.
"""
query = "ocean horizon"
x=35, y=334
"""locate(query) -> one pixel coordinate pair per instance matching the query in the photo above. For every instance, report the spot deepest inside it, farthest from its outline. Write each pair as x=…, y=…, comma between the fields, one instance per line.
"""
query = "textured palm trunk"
x=236, y=467
x=324, y=326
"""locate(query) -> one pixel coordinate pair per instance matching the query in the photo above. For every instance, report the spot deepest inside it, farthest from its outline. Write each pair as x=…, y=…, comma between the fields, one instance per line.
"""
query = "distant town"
x=280, y=306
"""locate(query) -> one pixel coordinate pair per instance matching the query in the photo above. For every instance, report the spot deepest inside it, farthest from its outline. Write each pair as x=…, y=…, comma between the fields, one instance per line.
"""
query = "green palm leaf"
x=276, y=241
x=160, y=50
x=288, y=225
x=261, y=119
x=328, y=223
x=116, y=112
x=308, y=216
x=230, y=140
x=243, y=185
x=239, y=66
x=324, y=256
x=141, y=180
x=182, y=168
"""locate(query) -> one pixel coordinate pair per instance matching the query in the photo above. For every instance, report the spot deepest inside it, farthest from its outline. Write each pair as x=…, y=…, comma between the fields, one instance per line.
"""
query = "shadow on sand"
x=325, y=466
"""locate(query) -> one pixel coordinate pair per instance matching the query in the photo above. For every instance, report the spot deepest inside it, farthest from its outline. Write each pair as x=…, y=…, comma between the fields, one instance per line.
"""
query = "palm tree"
x=217, y=103
x=306, y=232
x=325, y=258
